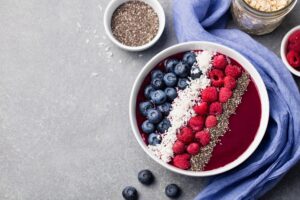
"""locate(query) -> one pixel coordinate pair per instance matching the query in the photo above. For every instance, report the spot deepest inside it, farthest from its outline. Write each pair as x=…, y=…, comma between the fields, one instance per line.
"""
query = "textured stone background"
x=64, y=92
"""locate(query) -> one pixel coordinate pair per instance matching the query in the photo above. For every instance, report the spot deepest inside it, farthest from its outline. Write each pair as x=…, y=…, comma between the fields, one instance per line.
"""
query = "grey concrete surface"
x=64, y=92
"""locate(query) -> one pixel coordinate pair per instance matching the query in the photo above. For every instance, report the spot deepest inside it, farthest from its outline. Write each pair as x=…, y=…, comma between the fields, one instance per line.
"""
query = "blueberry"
x=144, y=107
x=171, y=93
x=164, y=108
x=157, y=83
x=154, y=139
x=189, y=58
x=172, y=191
x=148, y=90
x=148, y=127
x=154, y=116
x=164, y=125
x=158, y=97
x=195, y=72
x=130, y=193
x=157, y=74
x=146, y=177
x=181, y=70
x=182, y=83
x=170, y=64
x=170, y=79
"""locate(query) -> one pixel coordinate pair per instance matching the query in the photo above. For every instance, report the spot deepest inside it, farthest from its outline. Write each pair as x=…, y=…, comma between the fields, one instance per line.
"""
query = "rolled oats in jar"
x=260, y=17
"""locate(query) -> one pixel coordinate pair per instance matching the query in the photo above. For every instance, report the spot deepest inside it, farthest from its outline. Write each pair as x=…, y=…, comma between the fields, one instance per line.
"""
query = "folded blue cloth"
x=205, y=20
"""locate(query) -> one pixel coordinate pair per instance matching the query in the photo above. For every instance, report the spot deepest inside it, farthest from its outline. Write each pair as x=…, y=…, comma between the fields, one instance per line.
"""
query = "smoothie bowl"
x=199, y=108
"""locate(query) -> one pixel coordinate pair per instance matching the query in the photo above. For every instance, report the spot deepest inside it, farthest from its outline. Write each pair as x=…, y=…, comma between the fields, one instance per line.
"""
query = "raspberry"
x=201, y=109
x=211, y=121
x=293, y=59
x=196, y=123
x=229, y=82
x=186, y=135
x=294, y=41
x=215, y=108
x=219, y=61
x=203, y=137
x=209, y=94
x=216, y=76
x=182, y=161
x=224, y=94
x=178, y=147
x=233, y=70
x=193, y=148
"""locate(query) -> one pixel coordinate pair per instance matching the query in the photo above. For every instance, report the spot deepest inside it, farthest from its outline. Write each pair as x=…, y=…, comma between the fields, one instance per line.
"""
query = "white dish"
x=114, y=4
x=204, y=46
x=283, y=51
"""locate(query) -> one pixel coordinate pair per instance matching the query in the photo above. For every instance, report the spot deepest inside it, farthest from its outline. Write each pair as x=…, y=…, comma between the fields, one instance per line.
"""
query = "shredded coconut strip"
x=182, y=107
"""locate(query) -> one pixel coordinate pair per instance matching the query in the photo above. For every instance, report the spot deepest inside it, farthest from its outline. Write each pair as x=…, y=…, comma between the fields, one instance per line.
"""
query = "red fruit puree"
x=242, y=129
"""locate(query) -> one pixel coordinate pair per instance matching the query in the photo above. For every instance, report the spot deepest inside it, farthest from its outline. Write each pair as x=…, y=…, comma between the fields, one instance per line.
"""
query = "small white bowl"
x=114, y=4
x=207, y=46
x=283, y=49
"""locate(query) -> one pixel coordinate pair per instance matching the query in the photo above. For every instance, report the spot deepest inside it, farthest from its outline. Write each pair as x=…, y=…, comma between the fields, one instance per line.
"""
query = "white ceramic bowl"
x=283, y=49
x=114, y=4
x=206, y=46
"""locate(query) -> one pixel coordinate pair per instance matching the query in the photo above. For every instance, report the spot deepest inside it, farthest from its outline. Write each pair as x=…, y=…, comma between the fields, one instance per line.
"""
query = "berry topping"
x=130, y=193
x=181, y=70
x=233, y=70
x=164, y=125
x=148, y=127
x=294, y=41
x=189, y=58
x=195, y=72
x=182, y=83
x=182, y=161
x=170, y=79
x=224, y=94
x=196, y=123
x=201, y=109
x=229, y=82
x=203, y=137
x=172, y=191
x=154, y=139
x=164, y=108
x=215, y=108
x=148, y=90
x=158, y=97
x=171, y=93
x=193, y=148
x=157, y=74
x=154, y=116
x=144, y=107
x=211, y=121
x=219, y=61
x=186, y=135
x=293, y=58
x=178, y=147
x=146, y=177
x=157, y=83
x=209, y=94
x=216, y=76
x=170, y=64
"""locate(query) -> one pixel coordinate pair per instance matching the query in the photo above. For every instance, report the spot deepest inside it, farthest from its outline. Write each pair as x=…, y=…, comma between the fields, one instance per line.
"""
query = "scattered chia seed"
x=199, y=161
x=134, y=23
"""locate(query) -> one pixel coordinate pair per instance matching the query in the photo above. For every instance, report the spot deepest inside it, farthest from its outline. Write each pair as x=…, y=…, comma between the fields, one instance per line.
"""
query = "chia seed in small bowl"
x=134, y=25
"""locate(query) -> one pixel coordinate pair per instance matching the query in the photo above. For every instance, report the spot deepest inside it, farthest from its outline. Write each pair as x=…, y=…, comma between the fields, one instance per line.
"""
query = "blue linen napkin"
x=205, y=20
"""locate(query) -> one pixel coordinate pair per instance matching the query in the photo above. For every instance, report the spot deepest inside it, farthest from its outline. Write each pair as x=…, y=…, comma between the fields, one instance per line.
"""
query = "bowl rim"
x=283, y=51
x=107, y=20
x=194, y=45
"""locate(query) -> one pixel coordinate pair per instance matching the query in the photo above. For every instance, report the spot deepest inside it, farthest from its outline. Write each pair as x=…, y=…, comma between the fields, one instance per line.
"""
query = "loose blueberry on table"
x=130, y=193
x=184, y=100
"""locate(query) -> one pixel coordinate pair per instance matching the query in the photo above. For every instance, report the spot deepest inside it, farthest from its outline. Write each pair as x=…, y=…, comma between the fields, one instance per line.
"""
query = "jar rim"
x=264, y=13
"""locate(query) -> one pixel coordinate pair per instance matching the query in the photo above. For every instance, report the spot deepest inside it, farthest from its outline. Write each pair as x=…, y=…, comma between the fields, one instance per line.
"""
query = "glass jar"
x=258, y=22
